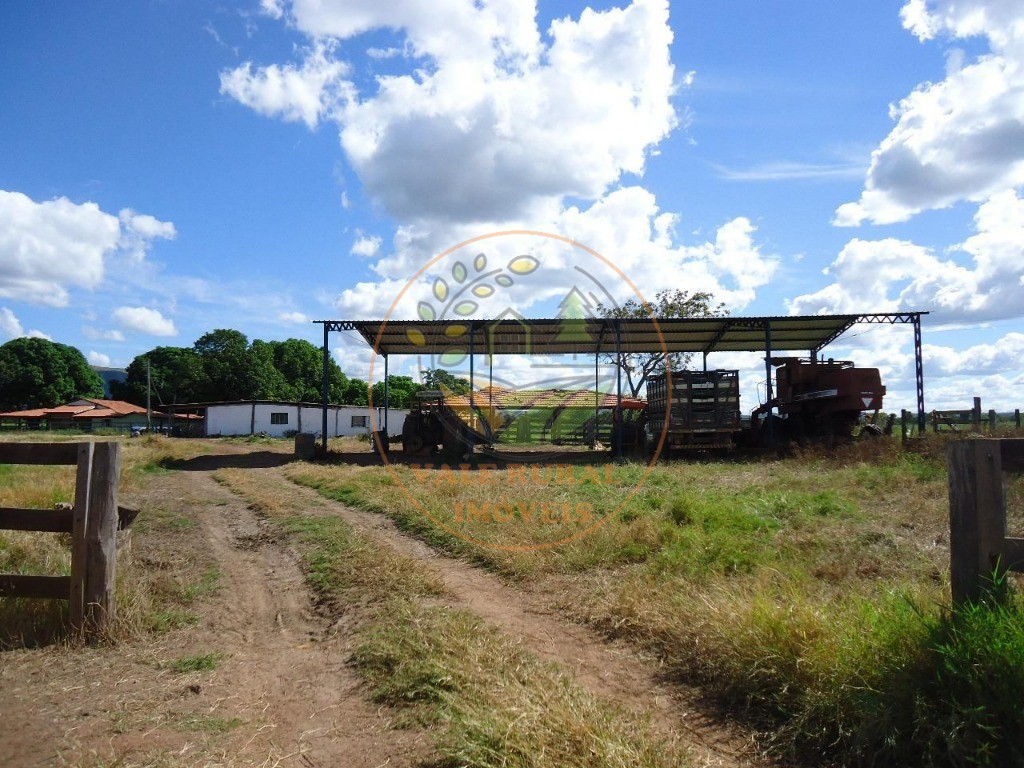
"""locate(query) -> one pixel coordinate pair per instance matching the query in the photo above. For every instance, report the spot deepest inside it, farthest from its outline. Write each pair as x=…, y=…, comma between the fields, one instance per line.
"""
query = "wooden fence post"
x=1016, y=417
x=79, y=547
x=991, y=420
x=977, y=414
x=101, y=535
x=903, y=425
x=977, y=516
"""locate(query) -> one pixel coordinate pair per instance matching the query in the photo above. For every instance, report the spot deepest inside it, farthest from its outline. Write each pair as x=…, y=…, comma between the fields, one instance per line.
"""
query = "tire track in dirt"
x=608, y=669
x=281, y=670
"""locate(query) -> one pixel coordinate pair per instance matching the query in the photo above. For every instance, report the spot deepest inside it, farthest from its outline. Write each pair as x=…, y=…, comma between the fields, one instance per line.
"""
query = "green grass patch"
x=207, y=585
x=156, y=519
x=808, y=594
x=339, y=561
x=211, y=725
x=203, y=663
x=491, y=702
x=166, y=619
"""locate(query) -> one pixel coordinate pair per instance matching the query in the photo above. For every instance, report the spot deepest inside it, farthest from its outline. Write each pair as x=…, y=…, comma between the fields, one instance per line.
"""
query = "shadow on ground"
x=209, y=463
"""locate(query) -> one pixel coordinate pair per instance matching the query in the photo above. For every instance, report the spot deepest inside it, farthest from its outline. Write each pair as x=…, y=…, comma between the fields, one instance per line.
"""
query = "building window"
x=279, y=418
x=360, y=421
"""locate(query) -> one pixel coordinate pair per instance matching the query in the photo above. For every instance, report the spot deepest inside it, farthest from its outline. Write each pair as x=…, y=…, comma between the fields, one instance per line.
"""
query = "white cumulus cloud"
x=305, y=93
x=144, y=320
x=961, y=138
x=366, y=247
x=139, y=230
x=10, y=326
x=891, y=275
x=492, y=120
x=489, y=123
x=98, y=359
x=48, y=247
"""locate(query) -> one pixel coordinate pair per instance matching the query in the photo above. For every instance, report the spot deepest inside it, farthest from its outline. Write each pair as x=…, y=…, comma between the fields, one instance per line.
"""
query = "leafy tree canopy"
x=175, y=373
x=39, y=373
x=401, y=391
x=447, y=382
x=223, y=365
x=638, y=368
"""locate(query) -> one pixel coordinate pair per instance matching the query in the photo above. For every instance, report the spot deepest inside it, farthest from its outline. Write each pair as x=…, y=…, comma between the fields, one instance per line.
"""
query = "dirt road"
x=260, y=678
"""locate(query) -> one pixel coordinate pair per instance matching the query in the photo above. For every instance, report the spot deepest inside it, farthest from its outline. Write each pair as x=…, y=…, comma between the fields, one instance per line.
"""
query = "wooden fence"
x=92, y=522
x=980, y=550
x=972, y=419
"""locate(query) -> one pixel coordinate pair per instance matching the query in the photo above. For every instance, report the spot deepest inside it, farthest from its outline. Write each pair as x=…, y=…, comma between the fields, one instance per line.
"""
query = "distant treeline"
x=221, y=366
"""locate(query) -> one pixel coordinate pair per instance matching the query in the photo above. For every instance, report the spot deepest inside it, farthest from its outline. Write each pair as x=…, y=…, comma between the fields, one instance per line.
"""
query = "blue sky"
x=167, y=168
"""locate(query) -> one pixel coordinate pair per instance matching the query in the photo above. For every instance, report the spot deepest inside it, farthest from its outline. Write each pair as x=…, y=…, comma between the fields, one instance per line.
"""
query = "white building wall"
x=229, y=419
x=240, y=419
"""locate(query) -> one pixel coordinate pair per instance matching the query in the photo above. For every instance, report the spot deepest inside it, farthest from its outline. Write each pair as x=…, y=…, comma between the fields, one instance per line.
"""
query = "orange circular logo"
x=514, y=456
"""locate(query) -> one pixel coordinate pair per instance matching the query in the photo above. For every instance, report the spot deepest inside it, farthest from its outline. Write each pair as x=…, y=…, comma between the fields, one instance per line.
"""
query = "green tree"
x=39, y=373
x=356, y=392
x=401, y=392
x=230, y=369
x=447, y=382
x=268, y=381
x=302, y=366
x=639, y=367
x=222, y=365
x=176, y=373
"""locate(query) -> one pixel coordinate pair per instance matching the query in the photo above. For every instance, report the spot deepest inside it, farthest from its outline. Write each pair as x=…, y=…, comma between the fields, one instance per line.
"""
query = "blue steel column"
x=324, y=388
x=769, y=391
x=919, y=371
x=618, y=387
x=597, y=399
x=472, y=441
x=387, y=396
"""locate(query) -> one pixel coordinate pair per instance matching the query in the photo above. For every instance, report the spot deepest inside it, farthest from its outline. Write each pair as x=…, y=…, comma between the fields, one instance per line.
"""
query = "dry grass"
x=808, y=593
x=495, y=703
x=25, y=622
x=490, y=702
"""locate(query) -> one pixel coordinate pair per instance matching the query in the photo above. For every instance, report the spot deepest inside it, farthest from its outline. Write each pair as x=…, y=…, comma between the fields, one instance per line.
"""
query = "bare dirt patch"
x=257, y=680
x=609, y=669
x=256, y=676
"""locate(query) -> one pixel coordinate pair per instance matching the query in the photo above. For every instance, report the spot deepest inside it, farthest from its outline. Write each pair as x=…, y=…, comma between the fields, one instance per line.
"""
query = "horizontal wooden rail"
x=1013, y=553
x=45, y=587
x=46, y=520
x=1012, y=454
x=39, y=453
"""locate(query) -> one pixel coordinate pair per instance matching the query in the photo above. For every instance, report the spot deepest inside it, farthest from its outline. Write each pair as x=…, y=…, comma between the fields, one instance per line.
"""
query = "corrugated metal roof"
x=555, y=336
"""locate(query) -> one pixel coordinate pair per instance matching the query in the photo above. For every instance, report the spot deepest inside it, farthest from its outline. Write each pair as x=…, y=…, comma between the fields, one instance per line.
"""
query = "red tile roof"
x=119, y=407
x=86, y=408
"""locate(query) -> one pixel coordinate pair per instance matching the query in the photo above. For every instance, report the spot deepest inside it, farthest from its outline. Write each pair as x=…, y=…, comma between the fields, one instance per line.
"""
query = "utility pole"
x=149, y=400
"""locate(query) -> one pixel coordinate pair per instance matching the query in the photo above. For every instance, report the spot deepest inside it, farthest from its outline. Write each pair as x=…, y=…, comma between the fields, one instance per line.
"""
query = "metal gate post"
x=919, y=372
x=769, y=392
x=325, y=383
x=472, y=441
x=618, y=388
x=387, y=397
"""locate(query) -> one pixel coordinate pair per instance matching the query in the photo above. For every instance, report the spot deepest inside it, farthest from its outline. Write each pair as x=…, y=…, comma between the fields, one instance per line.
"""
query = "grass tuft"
x=494, y=703
x=203, y=663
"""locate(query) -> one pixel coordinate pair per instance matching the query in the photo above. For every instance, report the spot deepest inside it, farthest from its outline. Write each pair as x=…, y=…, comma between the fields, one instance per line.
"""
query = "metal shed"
x=811, y=333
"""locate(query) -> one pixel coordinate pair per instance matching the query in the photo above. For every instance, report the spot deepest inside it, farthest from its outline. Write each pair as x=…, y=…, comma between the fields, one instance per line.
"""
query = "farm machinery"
x=819, y=399
x=814, y=400
x=446, y=423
